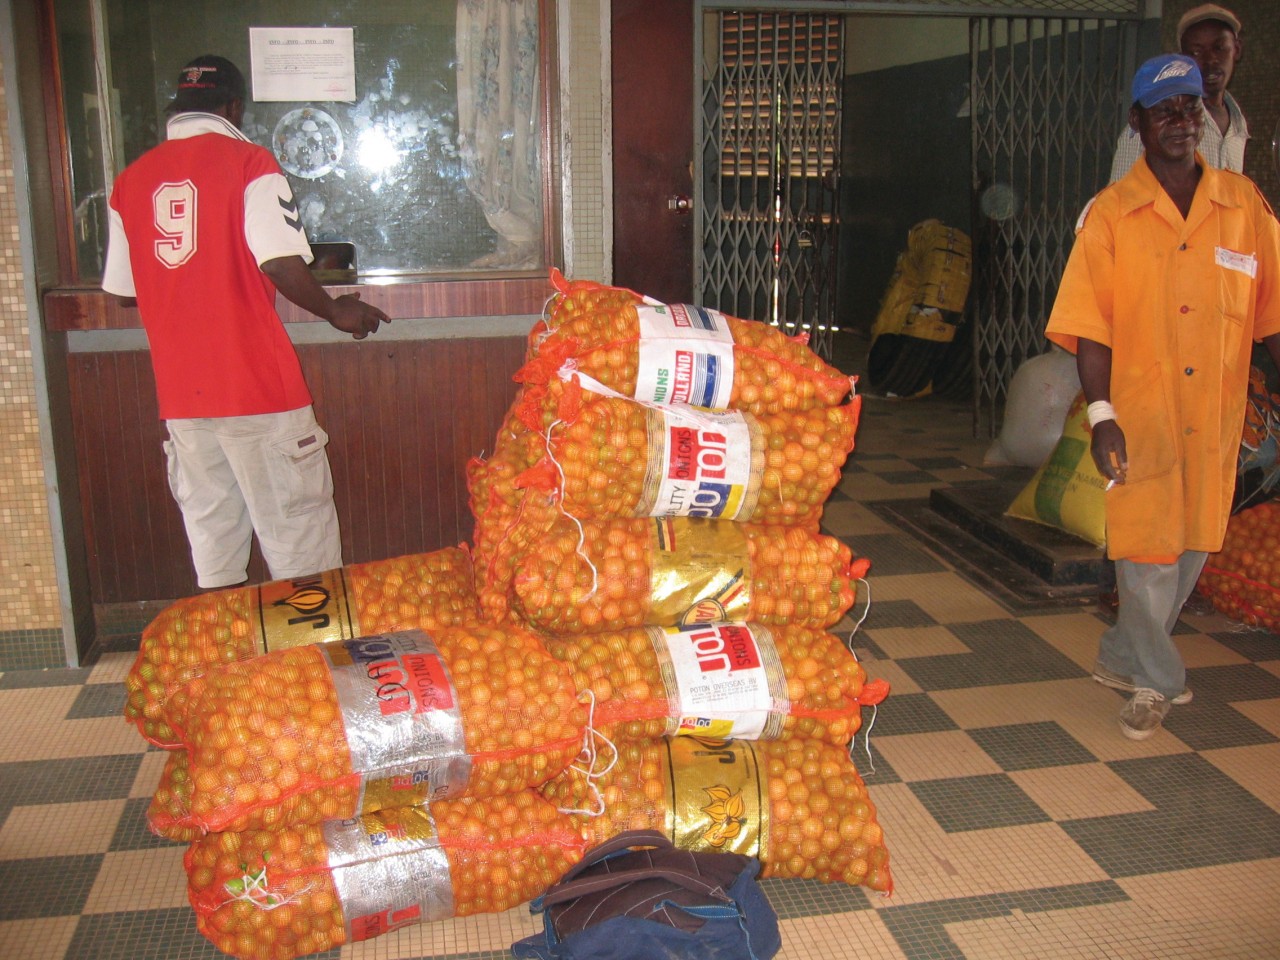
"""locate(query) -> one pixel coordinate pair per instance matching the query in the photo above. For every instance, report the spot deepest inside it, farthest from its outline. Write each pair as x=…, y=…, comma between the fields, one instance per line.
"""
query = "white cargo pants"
x=269, y=474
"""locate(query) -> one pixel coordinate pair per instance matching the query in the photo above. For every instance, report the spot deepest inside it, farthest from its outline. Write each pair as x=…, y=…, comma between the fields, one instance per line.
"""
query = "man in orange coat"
x=1174, y=273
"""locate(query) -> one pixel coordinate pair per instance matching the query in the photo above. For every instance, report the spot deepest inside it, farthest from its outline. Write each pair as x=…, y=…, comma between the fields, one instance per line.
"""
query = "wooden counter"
x=403, y=416
x=88, y=308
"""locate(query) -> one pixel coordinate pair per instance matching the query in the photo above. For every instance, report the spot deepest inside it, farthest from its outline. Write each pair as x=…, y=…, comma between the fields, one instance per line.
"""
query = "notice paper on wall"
x=303, y=63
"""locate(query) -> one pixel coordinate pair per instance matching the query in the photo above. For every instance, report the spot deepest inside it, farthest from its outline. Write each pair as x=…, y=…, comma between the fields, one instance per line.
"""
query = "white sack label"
x=1245, y=263
x=401, y=716
x=702, y=467
x=724, y=680
x=685, y=355
x=389, y=871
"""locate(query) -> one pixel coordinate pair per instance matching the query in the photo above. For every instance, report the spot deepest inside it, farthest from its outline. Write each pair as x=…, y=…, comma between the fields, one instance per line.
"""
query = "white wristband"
x=1098, y=411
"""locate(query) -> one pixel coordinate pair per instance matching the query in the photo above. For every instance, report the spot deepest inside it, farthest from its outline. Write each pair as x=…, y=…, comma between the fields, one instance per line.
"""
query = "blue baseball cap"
x=1165, y=76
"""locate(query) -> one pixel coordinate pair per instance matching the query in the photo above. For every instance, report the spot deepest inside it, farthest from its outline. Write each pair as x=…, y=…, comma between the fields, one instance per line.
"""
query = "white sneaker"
x=1118, y=681
x=1143, y=714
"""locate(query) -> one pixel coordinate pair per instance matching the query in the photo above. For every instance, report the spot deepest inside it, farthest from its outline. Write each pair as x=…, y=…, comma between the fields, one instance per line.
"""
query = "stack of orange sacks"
x=1243, y=579
x=651, y=508
x=354, y=752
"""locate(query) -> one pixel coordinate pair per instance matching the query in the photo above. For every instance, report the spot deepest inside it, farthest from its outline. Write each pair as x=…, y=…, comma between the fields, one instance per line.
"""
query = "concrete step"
x=1057, y=558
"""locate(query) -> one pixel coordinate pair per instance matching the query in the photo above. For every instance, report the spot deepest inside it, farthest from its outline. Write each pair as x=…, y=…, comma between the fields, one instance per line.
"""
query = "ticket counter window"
x=435, y=167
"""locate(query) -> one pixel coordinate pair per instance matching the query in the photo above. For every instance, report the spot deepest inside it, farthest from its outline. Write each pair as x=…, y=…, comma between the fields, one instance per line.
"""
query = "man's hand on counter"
x=347, y=313
x=355, y=317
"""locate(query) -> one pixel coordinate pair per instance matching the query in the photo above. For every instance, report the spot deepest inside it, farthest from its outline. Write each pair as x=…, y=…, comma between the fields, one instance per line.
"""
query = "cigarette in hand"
x=1110, y=484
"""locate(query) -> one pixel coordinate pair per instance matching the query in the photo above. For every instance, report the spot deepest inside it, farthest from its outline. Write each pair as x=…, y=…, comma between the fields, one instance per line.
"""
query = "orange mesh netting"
x=1243, y=581
x=169, y=814
x=597, y=328
x=609, y=458
x=278, y=894
x=503, y=512
x=642, y=679
x=799, y=805
x=335, y=729
x=424, y=590
x=612, y=574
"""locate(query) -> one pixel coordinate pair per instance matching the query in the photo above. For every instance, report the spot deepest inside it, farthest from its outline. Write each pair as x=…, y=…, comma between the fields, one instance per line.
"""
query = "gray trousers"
x=1140, y=644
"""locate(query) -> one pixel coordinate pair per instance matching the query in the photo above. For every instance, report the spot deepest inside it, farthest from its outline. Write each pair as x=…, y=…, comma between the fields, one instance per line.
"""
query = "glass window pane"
x=434, y=168
x=84, y=134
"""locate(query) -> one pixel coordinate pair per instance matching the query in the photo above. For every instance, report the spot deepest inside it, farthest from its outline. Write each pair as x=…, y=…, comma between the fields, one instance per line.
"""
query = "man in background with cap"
x=1174, y=273
x=203, y=231
x=1210, y=35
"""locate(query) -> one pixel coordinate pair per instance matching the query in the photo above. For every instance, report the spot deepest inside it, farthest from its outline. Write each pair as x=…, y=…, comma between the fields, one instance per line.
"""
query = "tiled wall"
x=30, y=621
x=587, y=89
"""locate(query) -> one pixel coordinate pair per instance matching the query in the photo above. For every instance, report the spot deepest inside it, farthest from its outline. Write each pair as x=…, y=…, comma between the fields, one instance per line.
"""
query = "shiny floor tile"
x=1019, y=821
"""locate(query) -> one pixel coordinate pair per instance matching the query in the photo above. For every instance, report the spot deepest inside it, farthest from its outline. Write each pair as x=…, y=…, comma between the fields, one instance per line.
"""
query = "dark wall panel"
x=403, y=417
x=898, y=171
x=652, y=82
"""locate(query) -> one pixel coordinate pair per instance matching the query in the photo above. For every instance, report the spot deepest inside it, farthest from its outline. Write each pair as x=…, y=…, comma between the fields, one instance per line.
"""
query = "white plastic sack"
x=1040, y=393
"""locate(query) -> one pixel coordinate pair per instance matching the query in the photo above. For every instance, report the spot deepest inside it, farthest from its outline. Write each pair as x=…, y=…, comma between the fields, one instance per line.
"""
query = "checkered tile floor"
x=1020, y=822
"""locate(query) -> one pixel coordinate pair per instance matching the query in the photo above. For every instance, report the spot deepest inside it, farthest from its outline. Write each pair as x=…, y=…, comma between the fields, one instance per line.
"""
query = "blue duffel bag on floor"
x=636, y=897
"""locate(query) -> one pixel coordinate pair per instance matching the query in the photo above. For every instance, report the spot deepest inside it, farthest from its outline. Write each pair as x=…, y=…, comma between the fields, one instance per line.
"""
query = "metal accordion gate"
x=1048, y=97
x=766, y=181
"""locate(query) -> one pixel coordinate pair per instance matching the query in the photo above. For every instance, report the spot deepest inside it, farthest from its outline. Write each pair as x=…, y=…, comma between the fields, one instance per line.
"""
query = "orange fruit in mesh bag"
x=278, y=894
x=599, y=329
x=730, y=680
x=333, y=730
x=798, y=805
x=1242, y=580
x=169, y=814
x=503, y=511
x=611, y=458
x=419, y=590
x=614, y=574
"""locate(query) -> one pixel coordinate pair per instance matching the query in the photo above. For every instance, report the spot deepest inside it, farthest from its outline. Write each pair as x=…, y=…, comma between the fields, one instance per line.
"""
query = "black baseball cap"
x=208, y=82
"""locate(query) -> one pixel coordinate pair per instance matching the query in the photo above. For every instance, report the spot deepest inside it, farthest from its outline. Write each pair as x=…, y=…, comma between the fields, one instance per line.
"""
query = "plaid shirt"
x=1222, y=150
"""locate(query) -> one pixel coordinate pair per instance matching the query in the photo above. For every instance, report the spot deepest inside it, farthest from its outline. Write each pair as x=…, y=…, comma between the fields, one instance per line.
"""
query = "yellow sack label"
x=699, y=571
x=1067, y=492
x=720, y=800
x=304, y=610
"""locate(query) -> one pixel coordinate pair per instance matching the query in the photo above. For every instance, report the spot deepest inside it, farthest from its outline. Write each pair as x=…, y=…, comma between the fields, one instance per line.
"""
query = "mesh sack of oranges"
x=798, y=805
x=1258, y=464
x=1243, y=580
x=424, y=590
x=491, y=480
x=583, y=577
x=677, y=353
x=169, y=813
x=730, y=680
x=502, y=511
x=608, y=457
x=337, y=729
x=277, y=894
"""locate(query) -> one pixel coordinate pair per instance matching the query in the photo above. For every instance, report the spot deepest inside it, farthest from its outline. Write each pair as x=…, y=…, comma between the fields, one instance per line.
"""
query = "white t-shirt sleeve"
x=272, y=220
x=117, y=275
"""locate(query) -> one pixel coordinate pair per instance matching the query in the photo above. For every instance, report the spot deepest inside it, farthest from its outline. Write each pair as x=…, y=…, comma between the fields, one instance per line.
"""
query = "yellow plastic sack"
x=931, y=275
x=1067, y=492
